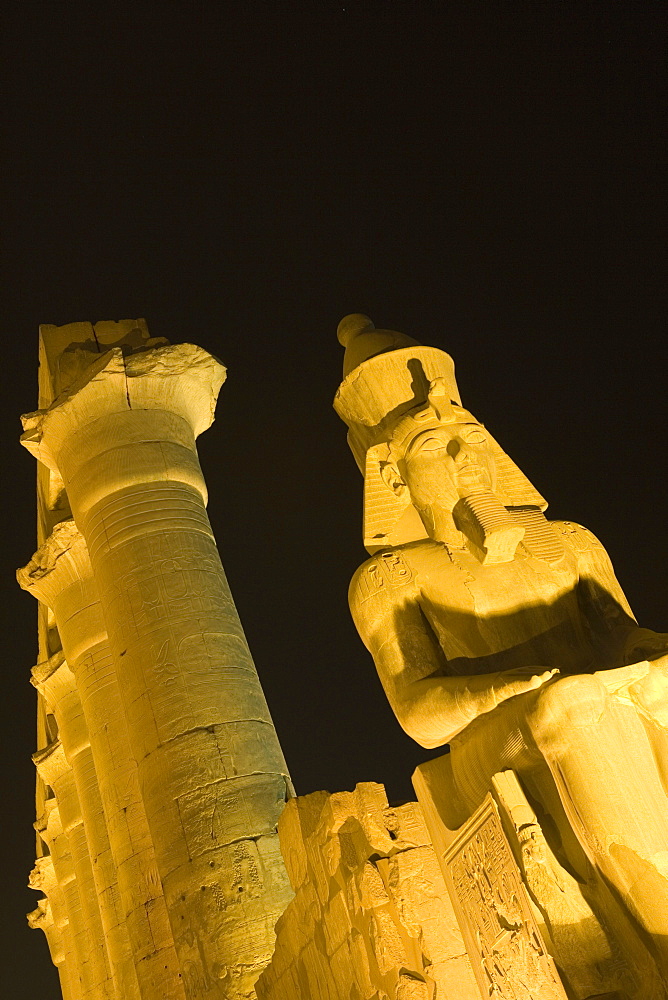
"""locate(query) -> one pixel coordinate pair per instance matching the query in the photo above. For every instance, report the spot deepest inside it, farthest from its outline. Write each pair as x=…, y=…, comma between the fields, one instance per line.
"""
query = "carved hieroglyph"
x=559, y=919
x=495, y=913
x=183, y=784
x=506, y=635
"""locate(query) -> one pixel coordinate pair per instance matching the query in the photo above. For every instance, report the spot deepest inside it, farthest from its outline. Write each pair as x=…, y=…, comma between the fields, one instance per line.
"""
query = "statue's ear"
x=392, y=479
x=389, y=516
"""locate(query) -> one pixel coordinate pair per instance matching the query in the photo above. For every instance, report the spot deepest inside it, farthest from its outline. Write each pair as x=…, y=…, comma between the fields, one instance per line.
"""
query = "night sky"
x=491, y=185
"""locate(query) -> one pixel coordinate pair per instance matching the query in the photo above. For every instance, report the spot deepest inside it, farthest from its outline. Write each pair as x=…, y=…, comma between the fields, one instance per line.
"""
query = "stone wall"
x=371, y=918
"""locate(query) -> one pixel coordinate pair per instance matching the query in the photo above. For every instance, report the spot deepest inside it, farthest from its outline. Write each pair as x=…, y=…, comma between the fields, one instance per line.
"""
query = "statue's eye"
x=474, y=437
x=432, y=444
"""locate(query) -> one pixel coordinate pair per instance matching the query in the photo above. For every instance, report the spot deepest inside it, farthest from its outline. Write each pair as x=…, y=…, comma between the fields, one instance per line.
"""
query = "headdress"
x=391, y=385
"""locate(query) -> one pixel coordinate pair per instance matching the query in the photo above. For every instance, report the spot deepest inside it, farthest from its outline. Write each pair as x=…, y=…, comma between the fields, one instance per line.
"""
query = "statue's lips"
x=471, y=474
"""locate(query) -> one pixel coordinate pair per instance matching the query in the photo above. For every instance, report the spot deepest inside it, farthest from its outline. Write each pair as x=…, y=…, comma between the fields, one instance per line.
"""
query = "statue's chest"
x=486, y=608
x=457, y=580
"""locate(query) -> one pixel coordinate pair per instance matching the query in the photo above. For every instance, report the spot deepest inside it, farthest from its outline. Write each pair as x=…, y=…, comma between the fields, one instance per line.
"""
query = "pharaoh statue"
x=504, y=634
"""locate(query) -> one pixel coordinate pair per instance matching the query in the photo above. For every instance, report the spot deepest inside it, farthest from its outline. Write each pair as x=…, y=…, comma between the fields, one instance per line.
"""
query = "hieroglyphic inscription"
x=178, y=575
x=503, y=940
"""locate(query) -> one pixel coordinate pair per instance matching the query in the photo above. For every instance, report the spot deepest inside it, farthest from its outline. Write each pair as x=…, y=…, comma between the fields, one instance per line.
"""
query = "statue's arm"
x=431, y=706
x=605, y=606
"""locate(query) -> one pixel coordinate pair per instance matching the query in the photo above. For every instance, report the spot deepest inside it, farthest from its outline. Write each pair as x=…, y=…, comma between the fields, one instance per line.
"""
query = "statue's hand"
x=510, y=683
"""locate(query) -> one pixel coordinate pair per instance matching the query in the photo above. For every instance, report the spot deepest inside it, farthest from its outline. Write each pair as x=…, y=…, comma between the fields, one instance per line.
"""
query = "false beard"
x=490, y=531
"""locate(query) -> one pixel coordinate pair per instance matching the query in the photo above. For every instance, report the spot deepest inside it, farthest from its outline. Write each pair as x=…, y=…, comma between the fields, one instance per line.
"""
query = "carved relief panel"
x=509, y=958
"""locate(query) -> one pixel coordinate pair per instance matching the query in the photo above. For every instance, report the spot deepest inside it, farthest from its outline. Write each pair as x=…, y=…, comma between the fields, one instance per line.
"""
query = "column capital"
x=51, y=762
x=53, y=678
x=49, y=825
x=60, y=575
x=42, y=878
x=181, y=379
x=41, y=917
x=60, y=562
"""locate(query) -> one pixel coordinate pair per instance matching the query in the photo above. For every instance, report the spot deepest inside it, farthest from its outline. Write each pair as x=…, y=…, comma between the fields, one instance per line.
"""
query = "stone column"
x=71, y=864
x=51, y=917
x=212, y=775
x=60, y=575
x=55, y=681
x=41, y=918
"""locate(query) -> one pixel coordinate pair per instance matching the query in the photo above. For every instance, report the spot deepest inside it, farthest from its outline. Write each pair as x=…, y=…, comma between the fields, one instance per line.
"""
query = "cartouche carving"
x=495, y=913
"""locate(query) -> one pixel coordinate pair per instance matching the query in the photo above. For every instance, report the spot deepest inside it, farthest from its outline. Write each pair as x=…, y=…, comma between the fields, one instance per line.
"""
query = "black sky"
x=491, y=184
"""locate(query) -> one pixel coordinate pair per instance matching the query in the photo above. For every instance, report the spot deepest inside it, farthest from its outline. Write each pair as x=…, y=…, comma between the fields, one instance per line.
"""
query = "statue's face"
x=444, y=462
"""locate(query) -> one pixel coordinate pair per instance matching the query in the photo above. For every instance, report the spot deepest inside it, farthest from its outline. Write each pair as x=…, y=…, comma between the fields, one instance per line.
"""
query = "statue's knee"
x=567, y=704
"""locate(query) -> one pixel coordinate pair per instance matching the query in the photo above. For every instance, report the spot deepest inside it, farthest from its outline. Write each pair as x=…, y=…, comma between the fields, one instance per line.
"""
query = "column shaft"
x=211, y=772
x=91, y=721
x=129, y=835
x=56, y=682
x=43, y=878
x=212, y=776
x=56, y=771
x=81, y=975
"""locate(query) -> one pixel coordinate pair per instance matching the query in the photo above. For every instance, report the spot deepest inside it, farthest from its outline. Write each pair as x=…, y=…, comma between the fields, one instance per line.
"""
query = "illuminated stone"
x=371, y=915
x=508, y=637
x=120, y=441
x=540, y=841
x=51, y=916
x=86, y=700
x=62, y=830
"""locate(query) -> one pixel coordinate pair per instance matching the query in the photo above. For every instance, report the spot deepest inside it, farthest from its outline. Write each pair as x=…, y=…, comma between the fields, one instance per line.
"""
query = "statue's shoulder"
x=578, y=538
x=387, y=577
